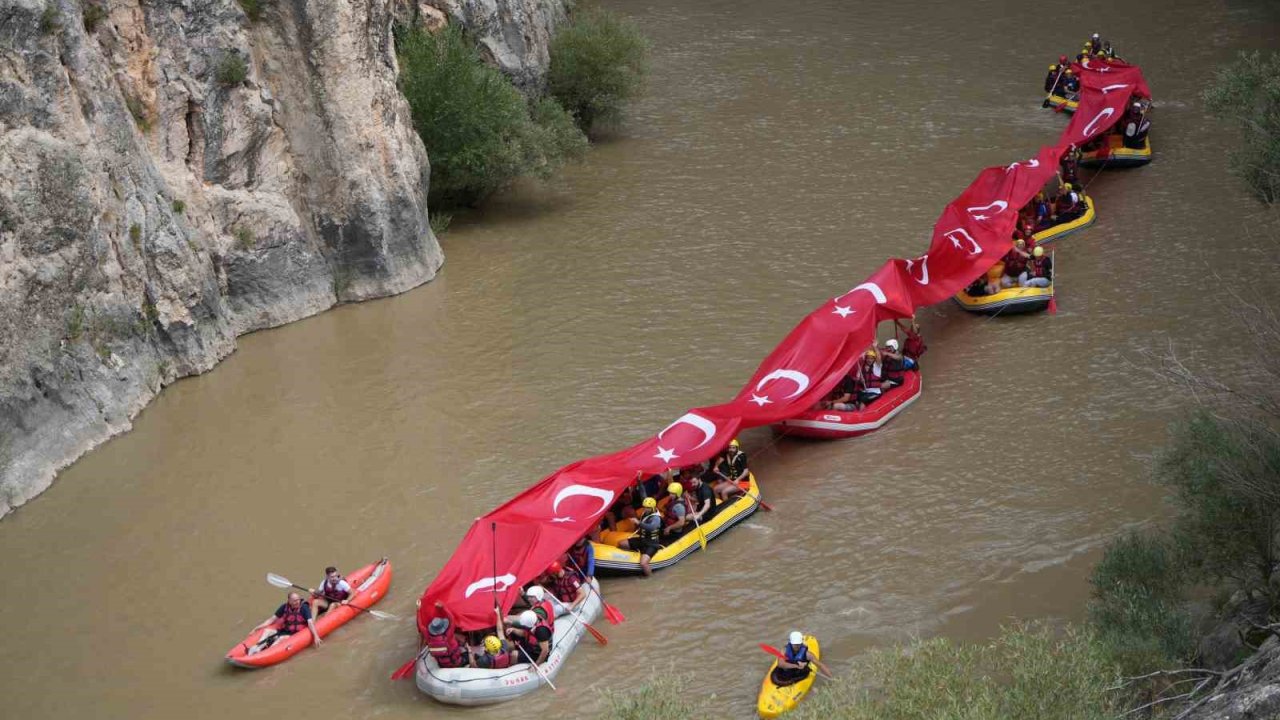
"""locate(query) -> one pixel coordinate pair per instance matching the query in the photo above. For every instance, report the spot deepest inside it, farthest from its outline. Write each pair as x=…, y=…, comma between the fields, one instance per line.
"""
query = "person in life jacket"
x=583, y=559
x=498, y=654
x=293, y=616
x=1039, y=272
x=1015, y=263
x=894, y=363
x=913, y=346
x=1069, y=166
x=1053, y=79
x=869, y=380
x=334, y=589
x=675, y=516
x=566, y=586
x=1071, y=84
x=1068, y=206
x=796, y=666
x=648, y=535
x=1135, y=125
x=730, y=469
x=701, y=499
x=532, y=635
x=442, y=640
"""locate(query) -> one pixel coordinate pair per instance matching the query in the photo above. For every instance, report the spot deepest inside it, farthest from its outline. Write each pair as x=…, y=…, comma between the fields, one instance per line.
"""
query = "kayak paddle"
x=611, y=613
x=283, y=582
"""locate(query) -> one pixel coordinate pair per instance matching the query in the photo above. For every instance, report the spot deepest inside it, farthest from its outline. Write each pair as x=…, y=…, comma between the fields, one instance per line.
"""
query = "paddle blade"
x=279, y=581
x=600, y=638
x=613, y=614
x=702, y=539
x=1053, y=306
x=405, y=670
x=765, y=505
x=773, y=651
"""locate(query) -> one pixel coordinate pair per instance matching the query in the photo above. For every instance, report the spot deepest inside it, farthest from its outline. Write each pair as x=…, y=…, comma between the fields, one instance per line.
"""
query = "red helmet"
x=555, y=567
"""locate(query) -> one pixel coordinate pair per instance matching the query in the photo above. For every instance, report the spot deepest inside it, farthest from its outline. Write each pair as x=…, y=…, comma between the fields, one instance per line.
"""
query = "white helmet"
x=892, y=344
x=536, y=592
x=796, y=637
x=528, y=618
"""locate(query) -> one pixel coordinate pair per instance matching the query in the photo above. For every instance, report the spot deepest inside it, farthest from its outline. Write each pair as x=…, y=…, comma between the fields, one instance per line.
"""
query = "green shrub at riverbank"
x=598, y=65
x=479, y=131
x=1248, y=92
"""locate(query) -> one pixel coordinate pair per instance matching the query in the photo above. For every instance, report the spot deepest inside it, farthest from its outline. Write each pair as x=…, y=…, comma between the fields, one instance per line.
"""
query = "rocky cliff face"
x=174, y=173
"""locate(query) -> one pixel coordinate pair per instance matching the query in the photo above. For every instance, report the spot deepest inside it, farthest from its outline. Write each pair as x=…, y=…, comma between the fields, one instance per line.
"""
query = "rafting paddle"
x=611, y=613
x=407, y=668
x=541, y=672
x=283, y=582
x=760, y=502
x=702, y=537
x=822, y=669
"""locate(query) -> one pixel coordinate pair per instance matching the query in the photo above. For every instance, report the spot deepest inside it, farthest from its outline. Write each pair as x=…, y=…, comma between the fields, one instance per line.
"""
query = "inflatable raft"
x=774, y=700
x=836, y=424
x=368, y=584
x=613, y=559
x=1009, y=301
x=1057, y=101
x=1115, y=154
x=477, y=686
x=1064, y=229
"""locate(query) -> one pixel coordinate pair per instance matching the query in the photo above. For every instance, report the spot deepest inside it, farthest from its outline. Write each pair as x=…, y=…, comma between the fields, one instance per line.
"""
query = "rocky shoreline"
x=177, y=173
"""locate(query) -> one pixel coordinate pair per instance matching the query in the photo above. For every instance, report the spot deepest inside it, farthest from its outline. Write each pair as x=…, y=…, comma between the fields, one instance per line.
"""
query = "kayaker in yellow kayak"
x=796, y=665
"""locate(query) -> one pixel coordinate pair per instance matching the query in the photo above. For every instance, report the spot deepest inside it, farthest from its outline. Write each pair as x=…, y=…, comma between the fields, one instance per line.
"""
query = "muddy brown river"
x=783, y=151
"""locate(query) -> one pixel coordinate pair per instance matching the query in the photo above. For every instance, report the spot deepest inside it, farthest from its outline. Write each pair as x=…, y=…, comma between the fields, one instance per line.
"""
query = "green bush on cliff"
x=598, y=65
x=478, y=129
x=1248, y=92
x=1137, y=605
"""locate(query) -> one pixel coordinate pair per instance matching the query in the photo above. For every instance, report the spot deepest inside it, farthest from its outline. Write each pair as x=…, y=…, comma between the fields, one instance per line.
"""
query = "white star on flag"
x=665, y=455
x=843, y=311
x=760, y=400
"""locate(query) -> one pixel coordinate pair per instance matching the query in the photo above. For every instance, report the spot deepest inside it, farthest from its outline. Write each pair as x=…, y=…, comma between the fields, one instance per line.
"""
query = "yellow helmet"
x=1038, y=252
x=1070, y=71
x=492, y=644
x=1053, y=67
x=870, y=353
x=649, y=503
x=733, y=442
x=1020, y=242
x=675, y=489
x=1066, y=186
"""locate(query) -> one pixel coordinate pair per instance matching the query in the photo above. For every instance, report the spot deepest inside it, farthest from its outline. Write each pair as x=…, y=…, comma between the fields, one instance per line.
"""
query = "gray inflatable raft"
x=476, y=686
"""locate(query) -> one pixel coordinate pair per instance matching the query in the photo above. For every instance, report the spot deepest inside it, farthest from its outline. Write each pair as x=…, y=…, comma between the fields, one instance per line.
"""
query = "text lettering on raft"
x=695, y=420
x=845, y=311
x=491, y=584
x=960, y=234
x=800, y=379
x=1103, y=114
x=924, y=269
x=979, y=212
x=604, y=496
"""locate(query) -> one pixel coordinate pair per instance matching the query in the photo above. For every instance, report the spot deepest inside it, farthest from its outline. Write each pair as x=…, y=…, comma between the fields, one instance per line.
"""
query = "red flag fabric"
x=516, y=542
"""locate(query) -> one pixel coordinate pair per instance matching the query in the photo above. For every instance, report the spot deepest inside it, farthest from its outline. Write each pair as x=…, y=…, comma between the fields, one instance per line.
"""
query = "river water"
x=783, y=151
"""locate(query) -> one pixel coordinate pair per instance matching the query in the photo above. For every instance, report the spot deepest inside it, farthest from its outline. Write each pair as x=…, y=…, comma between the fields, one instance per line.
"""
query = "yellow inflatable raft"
x=610, y=558
x=1064, y=229
x=1117, y=155
x=776, y=700
x=1057, y=101
x=1009, y=301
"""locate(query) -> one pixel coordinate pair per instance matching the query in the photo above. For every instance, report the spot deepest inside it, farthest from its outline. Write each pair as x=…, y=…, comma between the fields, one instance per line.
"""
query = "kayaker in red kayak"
x=333, y=589
x=291, y=617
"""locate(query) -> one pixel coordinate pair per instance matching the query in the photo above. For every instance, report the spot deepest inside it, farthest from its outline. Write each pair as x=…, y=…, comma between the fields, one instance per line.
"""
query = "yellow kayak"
x=610, y=558
x=776, y=700
x=1008, y=301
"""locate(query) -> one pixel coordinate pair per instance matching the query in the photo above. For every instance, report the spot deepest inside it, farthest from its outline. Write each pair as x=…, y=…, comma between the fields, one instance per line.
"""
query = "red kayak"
x=835, y=424
x=368, y=585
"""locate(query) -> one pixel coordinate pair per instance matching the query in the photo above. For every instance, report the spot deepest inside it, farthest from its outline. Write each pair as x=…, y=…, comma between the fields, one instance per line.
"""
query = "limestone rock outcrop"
x=173, y=174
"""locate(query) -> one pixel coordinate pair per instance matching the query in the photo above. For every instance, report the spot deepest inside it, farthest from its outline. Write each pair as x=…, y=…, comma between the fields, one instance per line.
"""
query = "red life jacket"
x=293, y=620
x=1038, y=267
x=913, y=347
x=546, y=618
x=669, y=513
x=1014, y=263
x=566, y=586
x=579, y=558
x=446, y=649
x=502, y=660
x=332, y=592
